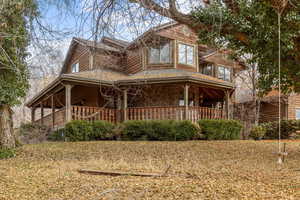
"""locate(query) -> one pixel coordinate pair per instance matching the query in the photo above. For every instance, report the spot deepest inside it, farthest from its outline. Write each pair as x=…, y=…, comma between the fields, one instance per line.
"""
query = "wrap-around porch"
x=180, y=101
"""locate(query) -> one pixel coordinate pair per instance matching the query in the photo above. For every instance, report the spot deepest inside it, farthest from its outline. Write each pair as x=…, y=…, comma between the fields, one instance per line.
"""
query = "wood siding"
x=80, y=54
x=134, y=61
x=108, y=60
x=293, y=104
x=181, y=33
x=270, y=112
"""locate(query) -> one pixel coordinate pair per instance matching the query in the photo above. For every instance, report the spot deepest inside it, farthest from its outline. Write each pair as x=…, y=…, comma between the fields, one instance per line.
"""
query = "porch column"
x=53, y=111
x=68, y=103
x=227, y=104
x=33, y=109
x=42, y=113
x=119, y=108
x=125, y=105
x=186, y=101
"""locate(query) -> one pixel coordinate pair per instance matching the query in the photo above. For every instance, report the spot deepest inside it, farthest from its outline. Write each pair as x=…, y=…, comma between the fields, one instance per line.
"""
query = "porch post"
x=68, y=103
x=33, y=114
x=42, y=113
x=53, y=111
x=119, y=108
x=186, y=101
x=227, y=106
x=125, y=105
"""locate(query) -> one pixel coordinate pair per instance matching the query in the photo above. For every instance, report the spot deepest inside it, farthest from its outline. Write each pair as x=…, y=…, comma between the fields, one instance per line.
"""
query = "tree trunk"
x=7, y=139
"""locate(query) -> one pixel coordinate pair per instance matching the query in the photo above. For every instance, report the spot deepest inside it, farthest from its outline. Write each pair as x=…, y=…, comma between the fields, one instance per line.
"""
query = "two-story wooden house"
x=163, y=74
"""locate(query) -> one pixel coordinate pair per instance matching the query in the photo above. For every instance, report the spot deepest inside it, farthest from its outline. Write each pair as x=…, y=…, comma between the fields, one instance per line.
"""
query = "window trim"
x=194, y=54
x=75, y=63
x=161, y=63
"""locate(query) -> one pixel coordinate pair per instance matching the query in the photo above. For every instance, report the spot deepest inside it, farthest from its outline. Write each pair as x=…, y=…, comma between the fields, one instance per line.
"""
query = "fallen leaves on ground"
x=199, y=170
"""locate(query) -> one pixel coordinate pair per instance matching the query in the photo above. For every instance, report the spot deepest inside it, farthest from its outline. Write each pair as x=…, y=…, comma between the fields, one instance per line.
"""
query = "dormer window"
x=75, y=67
x=186, y=54
x=224, y=73
x=160, y=53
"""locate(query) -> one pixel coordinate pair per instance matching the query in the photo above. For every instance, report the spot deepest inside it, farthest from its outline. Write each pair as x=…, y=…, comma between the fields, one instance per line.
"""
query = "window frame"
x=76, y=64
x=161, y=63
x=194, y=54
x=224, y=76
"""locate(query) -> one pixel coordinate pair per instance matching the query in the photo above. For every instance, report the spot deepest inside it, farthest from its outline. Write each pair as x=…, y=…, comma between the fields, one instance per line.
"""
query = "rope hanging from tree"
x=280, y=6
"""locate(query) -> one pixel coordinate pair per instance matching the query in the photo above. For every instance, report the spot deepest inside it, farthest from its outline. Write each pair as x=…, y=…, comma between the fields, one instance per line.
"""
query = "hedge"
x=81, y=130
x=288, y=129
x=159, y=130
x=215, y=129
x=153, y=130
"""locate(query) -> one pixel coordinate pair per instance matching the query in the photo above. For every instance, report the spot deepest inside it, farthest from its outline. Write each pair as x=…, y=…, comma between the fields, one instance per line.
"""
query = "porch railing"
x=175, y=113
x=137, y=113
x=59, y=118
x=94, y=113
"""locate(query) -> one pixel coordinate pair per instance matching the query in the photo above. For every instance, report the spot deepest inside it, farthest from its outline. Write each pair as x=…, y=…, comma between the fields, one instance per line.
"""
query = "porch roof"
x=110, y=78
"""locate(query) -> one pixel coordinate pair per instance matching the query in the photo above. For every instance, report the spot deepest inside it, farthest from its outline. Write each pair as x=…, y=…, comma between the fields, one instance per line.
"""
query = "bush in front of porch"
x=81, y=130
x=216, y=129
x=160, y=130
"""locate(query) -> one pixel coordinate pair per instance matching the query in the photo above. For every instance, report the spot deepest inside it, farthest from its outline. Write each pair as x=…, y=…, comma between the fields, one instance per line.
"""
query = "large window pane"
x=297, y=113
x=160, y=54
x=154, y=55
x=165, y=53
x=207, y=70
x=190, y=55
x=224, y=73
x=221, y=72
x=182, y=53
x=185, y=54
x=227, y=74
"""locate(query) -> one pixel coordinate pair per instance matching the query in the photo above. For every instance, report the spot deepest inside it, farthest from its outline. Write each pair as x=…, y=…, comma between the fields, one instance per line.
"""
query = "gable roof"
x=118, y=42
x=98, y=45
x=151, y=30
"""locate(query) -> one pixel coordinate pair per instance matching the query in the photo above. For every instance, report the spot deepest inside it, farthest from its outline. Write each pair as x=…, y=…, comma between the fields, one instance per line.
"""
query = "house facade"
x=163, y=74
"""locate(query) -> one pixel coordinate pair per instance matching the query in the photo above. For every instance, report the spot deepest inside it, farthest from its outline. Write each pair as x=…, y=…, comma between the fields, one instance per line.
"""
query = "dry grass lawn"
x=200, y=170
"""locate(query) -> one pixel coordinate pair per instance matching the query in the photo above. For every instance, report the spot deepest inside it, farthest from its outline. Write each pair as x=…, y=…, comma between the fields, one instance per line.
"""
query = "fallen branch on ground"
x=110, y=173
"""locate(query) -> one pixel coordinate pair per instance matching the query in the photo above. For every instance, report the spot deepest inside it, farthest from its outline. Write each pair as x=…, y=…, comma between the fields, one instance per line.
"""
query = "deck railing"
x=133, y=113
x=175, y=113
x=59, y=118
x=93, y=113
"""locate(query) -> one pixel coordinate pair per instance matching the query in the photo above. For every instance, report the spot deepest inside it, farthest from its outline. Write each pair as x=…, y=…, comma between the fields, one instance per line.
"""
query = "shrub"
x=213, y=129
x=7, y=153
x=160, y=130
x=258, y=132
x=102, y=130
x=137, y=130
x=78, y=130
x=58, y=135
x=32, y=133
x=288, y=128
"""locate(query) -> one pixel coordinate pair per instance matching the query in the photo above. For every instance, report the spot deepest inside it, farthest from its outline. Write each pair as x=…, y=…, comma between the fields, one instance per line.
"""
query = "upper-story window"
x=208, y=70
x=186, y=54
x=160, y=54
x=75, y=67
x=224, y=73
